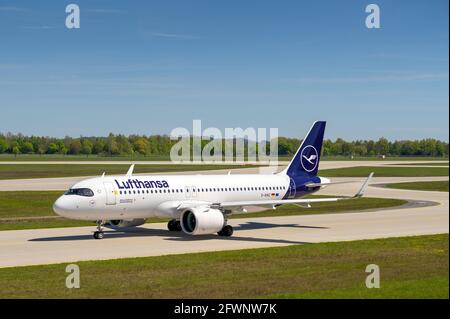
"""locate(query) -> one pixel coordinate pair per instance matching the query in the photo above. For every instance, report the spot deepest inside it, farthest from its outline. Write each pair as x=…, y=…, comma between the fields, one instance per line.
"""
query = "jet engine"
x=199, y=221
x=124, y=223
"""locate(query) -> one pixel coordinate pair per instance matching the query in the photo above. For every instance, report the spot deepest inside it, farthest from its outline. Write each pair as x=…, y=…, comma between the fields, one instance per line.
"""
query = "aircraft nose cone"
x=59, y=207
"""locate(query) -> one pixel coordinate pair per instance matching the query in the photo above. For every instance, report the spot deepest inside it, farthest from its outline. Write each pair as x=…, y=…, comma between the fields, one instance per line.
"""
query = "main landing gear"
x=226, y=231
x=174, y=225
x=99, y=233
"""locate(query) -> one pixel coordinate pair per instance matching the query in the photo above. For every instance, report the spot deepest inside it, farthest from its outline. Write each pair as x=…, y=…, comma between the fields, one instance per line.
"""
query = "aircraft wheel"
x=98, y=235
x=227, y=231
x=174, y=225
x=171, y=225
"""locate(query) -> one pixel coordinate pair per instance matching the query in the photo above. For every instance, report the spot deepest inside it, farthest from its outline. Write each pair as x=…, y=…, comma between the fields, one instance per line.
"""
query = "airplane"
x=197, y=204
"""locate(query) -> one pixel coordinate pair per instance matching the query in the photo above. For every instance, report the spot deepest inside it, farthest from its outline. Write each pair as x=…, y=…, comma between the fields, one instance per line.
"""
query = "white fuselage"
x=130, y=197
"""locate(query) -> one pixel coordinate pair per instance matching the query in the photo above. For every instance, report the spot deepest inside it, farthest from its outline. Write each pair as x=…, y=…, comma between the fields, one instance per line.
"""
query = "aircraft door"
x=110, y=194
x=187, y=192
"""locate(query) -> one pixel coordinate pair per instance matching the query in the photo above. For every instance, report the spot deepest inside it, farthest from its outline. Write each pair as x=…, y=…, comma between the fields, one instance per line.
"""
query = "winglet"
x=364, y=186
x=103, y=175
x=130, y=171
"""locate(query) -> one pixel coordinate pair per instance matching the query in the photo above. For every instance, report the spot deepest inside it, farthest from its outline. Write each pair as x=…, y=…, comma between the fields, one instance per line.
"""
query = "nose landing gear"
x=99, y=233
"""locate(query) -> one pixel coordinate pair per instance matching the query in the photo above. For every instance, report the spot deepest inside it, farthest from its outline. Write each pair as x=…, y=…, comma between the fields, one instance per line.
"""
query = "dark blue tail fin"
x=306, y=160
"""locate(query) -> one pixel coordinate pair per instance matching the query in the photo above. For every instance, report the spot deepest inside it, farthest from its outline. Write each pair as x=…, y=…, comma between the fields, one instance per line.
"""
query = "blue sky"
x=147, y=67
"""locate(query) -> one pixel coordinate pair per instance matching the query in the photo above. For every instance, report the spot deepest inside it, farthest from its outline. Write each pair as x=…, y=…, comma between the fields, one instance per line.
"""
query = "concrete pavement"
x=44, y=246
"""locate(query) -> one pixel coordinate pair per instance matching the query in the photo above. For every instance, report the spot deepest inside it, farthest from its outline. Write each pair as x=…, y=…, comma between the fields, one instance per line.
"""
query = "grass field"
x=56, y=157
x=424, y=164
x=29, y=210
x=410, y=267
x=364, y=171
x=16, y=171
x=439, y=186
x=388, y=158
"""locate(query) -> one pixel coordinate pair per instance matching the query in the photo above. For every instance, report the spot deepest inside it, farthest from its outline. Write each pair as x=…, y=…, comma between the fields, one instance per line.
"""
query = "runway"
x=44, y=246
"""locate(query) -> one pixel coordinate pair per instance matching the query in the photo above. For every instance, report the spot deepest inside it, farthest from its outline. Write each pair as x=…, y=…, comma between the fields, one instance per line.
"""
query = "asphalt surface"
x=60, y=245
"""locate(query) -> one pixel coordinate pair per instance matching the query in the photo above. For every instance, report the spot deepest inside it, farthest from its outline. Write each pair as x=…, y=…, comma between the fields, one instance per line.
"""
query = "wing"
x=330, y=183
x=360, y=193
x=175, y=208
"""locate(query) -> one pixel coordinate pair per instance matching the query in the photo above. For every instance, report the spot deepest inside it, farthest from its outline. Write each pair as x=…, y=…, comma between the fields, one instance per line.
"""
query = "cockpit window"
x=80, y=192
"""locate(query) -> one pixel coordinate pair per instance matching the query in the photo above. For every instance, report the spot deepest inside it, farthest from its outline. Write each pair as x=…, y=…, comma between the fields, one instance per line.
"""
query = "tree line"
x=160, y=145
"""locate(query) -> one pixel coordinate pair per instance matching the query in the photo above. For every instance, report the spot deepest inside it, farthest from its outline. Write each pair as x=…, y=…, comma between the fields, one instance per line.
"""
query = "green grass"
x=388, y=158
x=364, y=171
x=424, y=164
x=30, y=209
x=438, y=186
x=410, y=267
x=430, y=287
x=57, y=157
x=27, y=203
x=16, y=171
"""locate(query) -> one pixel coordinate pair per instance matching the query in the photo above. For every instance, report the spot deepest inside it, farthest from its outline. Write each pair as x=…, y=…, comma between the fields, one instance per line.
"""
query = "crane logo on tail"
x=309, y=158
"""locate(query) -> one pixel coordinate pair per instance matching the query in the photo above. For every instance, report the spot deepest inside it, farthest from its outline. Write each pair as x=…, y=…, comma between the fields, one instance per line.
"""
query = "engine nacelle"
x=199, y=221
x=124, y=223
